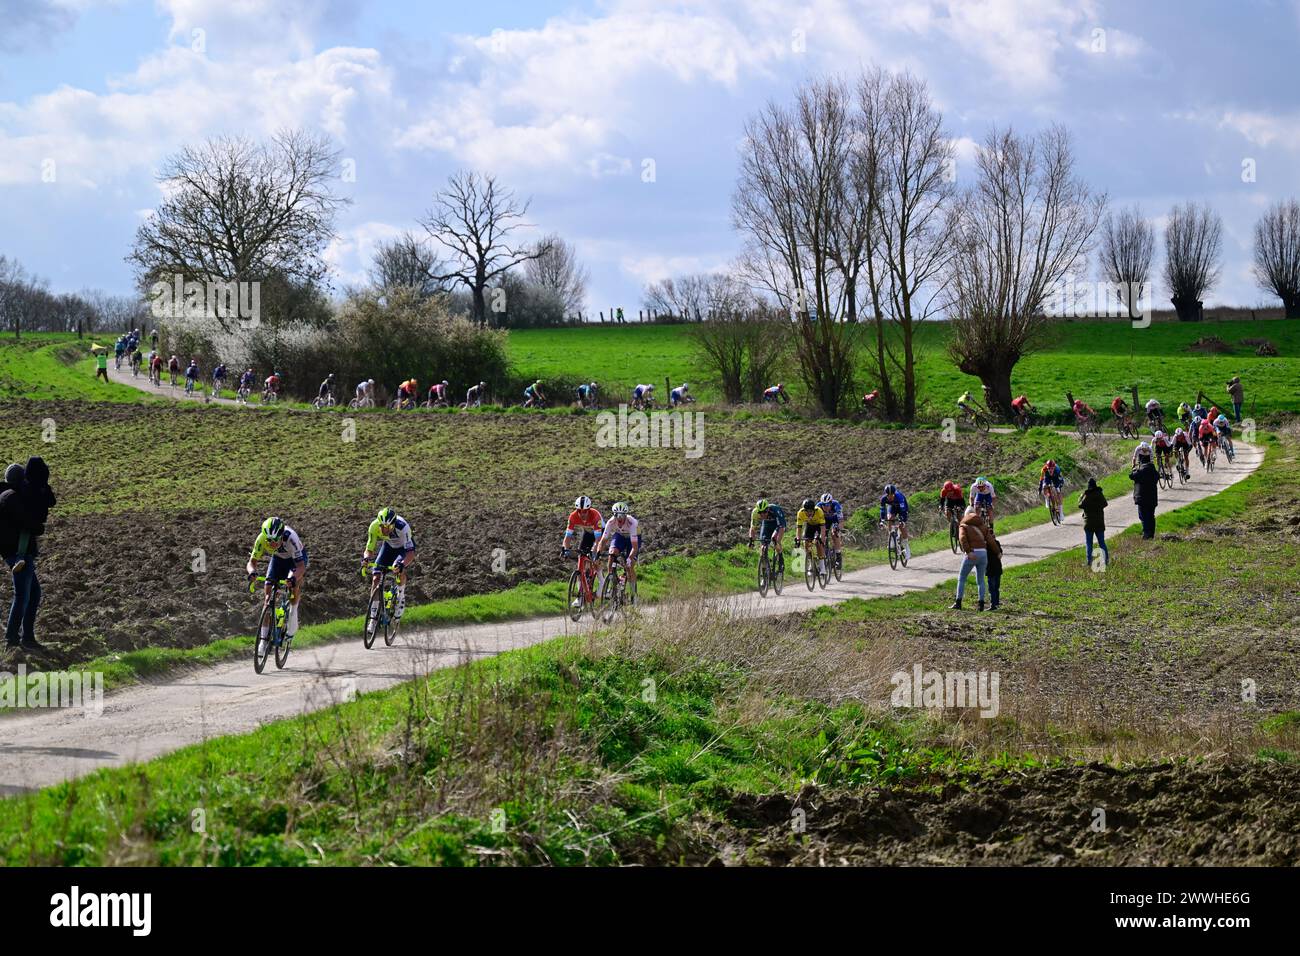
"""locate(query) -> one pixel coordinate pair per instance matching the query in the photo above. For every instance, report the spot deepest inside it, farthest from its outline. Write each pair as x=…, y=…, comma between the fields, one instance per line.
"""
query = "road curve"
x=41, y=748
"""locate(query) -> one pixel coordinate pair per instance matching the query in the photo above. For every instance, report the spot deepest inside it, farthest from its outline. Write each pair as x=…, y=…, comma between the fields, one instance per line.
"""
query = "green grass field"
x=1095, y=360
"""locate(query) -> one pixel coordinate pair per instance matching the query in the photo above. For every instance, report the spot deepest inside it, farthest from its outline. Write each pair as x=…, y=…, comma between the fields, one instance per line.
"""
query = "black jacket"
x=25, y=508
x=1093, y=505
x=1146, y=485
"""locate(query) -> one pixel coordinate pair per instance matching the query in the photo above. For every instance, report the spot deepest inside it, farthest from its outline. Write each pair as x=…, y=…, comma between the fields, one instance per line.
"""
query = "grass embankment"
x=689, y=738
x=58, y=366
x=1096, y=360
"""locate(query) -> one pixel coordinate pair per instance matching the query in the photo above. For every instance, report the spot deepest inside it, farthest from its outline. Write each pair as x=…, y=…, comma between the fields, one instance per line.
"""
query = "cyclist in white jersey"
x=622, y=537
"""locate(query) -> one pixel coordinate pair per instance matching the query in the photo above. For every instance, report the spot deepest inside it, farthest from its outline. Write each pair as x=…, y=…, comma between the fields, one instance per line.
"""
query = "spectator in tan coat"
x=973, y=535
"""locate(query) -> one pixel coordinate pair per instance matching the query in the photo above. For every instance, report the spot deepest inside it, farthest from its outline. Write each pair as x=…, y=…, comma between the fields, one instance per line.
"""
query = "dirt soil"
x=1227, y=814
x=141, y=487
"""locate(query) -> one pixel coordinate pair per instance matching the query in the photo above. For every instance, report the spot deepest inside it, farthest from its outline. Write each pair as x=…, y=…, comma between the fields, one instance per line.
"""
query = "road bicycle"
x=1181, y=465
x=584, y=587
x=976, y=418
x=954, y=526
x=1052, y=498
x=1226, y=444
x=241, y=396
x=362, y=403
x=436, y=403
x=834, y=556
x=381, y=606
x=897, y=552
x=1086, y=425
x=814, y=570
x=1211, y=452
x=769, y=576
x=614, y=593
x=1156, y=420
x=269, y=397
x=1125, y=426
x=324, y=401
x=1163, y=467
x=1026, y=420
x=189, y=386
x=402, y=404
x=271, y=623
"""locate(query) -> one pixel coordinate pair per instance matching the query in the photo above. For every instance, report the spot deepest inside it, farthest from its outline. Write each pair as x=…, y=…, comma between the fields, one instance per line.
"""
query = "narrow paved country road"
x=40, y=748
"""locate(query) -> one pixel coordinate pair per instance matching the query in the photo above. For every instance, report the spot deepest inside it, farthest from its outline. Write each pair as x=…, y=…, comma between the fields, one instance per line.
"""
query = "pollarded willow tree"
x=1193, y=255
x=1128, y=246
x=1277, y=254
x=1025, y=226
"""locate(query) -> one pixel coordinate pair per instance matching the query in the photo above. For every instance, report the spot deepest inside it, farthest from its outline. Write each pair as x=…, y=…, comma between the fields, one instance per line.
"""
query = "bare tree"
x=784, y=203
x=239, y=211
x=1277, y=254
x=1024, y=227
x=406, y=262
x=913, y=209
x=700, y=296
x=13, y=289
x=557, y=270
x=1128, y=246
x=475, y=218
x=1193, y=251
x=742, y=350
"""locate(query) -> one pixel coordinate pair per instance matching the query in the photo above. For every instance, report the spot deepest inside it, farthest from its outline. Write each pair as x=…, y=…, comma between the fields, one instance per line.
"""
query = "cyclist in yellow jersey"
x=391, y=534
x=810, y=525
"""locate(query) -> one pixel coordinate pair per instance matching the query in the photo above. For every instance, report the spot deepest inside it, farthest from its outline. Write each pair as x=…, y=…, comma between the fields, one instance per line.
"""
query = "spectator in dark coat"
x=25, y=503
x=994, y=572
x=1146, y=492
x=1238, y=394
x=1093, y=505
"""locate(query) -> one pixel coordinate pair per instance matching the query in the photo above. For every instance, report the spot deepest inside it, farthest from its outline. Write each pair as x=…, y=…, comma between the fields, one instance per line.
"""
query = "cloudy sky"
x=566, y=103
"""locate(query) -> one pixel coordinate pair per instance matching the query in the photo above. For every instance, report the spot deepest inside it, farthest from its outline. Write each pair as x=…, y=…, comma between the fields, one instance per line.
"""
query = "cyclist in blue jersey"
x=834, y=512
x=893, y=504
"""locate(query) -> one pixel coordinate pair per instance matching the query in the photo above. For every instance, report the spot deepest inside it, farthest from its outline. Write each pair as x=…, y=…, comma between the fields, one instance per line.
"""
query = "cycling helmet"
x=826, y=498
x=593, y=385
x=686, y=386
x=620, y=508
x=445, y=382
x=482, y=384
x=762, y=504
x=331, y=375
x=387, y=516
x=981, y=480
x=537, y=384
x=1178, y=431
x=779, y=385
x=273, y=528
x=1221, y=420
x=1050, y=463
x=890, y=489
x=582, y=503
x=1142, y=445
x=370, y=381
x=809, y=505
x=1159, y=436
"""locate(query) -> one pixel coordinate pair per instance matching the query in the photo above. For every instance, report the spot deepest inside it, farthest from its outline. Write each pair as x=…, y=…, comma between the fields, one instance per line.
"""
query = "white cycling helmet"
x=1159, y=436
x=686, y=386
x=582, y=503
x=826, y=499
x=1142, y=445
x=370, y=381
x=620, y=508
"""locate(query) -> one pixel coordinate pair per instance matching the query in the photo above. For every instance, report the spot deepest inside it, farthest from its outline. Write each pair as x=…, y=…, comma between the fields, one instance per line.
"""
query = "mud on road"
x=149, y=493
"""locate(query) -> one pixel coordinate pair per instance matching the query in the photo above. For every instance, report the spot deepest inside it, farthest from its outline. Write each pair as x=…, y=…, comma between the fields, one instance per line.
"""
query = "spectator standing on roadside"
x=995, y=569
x=1238, y=394
x=973, y=536
x=25, y=505
x=101, y=365
x=1093, y=505
x=1146, y=491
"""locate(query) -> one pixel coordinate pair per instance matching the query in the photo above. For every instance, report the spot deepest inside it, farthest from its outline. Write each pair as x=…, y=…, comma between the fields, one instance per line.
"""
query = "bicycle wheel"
x=374, y=617
x=893, y=550
x=575, y=595
x=809, y=570
x=824, y=570
x=954, y=533
x=390, y=618
x=282, y=649
x=837, y=565
x=262, y=645
x=611, y=596
x=902, y=552
x=764, y=574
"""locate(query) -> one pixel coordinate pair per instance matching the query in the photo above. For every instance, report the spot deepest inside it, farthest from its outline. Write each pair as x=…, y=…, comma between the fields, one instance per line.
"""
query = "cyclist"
x=1119, y=408
x=366, y=393
x=1213, y=413
x=1207, y=436
x=218, y=378
x=191, y=375
x=775, y=392
x=1182, y=447
x=438, y=393
x=966, y=402
x=326, y=391
x=1198, y=410
x=952, y=500
x=396, y=541
x=643, y=395
x=1225, y=433
x=533, y=394
x=155, y=368
x=174, y=367
x=474, y=397
x=406, y=393
x=1143, y=450
x=586, y=519
x=1051, y=482
x=834, y=512
x=680, y=394
x=1023, y=409
x=1155, y=415
x=246, y=382
x=769, y=519
x=893, y=504
x=136, y=358
x=621, y=537
x=271, y=388
x=810, y=525
x=119, y=349
x=1184, y=414
x=288, y=561
x=1082, y=413
x=1163, y=448
x=586, y=394
x=869, y=399
x=982, y=495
